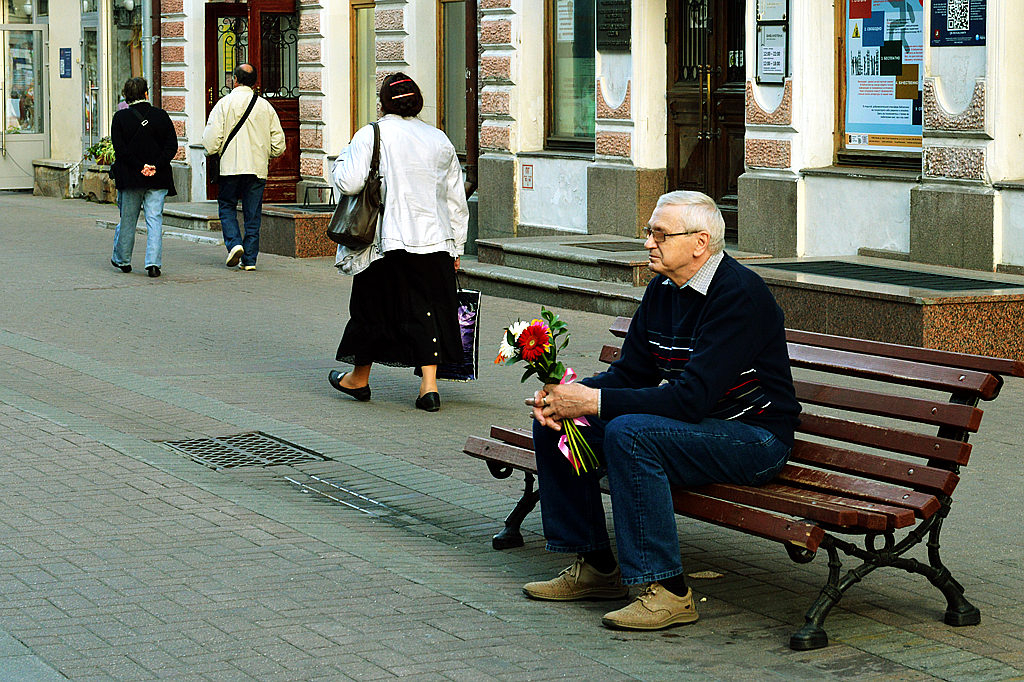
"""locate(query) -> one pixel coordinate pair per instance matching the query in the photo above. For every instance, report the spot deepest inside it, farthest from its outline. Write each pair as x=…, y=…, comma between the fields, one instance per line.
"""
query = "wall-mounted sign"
x=564, y=21
x=613, y=25
x=772, y=10
x=527, y=176
x=958, y=22
x=65, y=62
x=772, y=51
x=884, y=64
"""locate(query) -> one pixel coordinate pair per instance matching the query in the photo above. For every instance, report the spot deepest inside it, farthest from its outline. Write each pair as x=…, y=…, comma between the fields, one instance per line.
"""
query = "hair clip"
x=404, y=80
x=404, y=94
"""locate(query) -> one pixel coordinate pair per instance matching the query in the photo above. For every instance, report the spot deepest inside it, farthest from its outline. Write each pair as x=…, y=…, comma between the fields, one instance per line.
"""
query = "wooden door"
x=263, y=33
x=705, y=100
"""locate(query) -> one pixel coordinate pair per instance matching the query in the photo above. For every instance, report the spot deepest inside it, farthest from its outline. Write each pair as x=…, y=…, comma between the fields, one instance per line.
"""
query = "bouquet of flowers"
x=536, y=343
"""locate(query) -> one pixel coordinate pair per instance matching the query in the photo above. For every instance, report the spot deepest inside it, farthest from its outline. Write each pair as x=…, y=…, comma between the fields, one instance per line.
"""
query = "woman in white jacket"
x=404, y=309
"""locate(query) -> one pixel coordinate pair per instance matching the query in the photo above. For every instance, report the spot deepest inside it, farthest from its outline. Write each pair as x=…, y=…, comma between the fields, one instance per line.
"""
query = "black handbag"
x=213, y=160
x=354, y=222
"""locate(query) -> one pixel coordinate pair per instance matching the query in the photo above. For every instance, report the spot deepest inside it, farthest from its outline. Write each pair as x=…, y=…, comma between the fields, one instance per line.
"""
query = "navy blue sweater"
x=689, y=357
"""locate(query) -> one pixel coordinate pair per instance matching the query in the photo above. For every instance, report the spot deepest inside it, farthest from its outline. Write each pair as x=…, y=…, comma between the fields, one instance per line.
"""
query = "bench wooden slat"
x=910, y=474
x=778, y=501
x=896, y=517
x=978, y=363
x=933, y=412
x=610, y=353
x=895, y=440
x=922, y=504
x=520, y=437
x=904, y=372
x=486, y=448
x=749, y=520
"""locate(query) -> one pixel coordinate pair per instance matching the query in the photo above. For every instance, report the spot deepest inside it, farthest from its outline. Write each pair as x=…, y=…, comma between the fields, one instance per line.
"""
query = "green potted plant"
x=97, y=184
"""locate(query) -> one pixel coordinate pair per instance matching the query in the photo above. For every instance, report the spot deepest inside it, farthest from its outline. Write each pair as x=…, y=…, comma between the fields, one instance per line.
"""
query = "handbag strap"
x=238, y=125
x=375, y=159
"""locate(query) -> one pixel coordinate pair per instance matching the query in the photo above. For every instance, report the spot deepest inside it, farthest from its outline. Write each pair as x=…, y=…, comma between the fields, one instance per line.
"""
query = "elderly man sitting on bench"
x=702, y=393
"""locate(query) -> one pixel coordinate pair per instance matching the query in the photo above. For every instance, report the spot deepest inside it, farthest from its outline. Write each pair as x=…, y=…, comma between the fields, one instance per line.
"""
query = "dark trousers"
x=249, y=190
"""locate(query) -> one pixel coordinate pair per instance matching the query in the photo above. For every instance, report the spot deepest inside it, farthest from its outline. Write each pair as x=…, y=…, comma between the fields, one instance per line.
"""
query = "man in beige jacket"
x=243, y=164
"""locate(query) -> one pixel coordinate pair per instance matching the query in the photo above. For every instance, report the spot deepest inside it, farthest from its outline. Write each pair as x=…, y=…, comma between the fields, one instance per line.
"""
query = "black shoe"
x=153, y=270
x=122, y=268
x=431, y=402
x=361, y=394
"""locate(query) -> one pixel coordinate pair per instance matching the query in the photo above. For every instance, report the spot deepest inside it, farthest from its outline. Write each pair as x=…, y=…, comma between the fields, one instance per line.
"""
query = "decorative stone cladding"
x=762, y=153
x=607, y=111
x=781, y=116
x=613, y=144
x=497, y=26
x=312, y=155
x=957, y=163
x=173, y=80
x=971, y=119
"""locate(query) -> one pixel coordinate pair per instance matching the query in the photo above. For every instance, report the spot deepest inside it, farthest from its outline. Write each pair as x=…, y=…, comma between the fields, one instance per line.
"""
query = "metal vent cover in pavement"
x=255, y=449
x=610, y=246
x=880, y=275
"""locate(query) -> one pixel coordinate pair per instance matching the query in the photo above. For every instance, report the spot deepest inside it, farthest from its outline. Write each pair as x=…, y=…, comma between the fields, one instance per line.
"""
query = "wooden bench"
x=871, y=474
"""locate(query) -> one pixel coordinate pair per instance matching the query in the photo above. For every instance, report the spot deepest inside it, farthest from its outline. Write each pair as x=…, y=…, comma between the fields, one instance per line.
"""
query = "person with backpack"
x=144, y=143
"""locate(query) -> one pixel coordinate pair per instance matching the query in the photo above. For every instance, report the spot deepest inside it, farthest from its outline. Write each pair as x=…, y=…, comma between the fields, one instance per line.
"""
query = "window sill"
x=864, y=173
x=557, y=154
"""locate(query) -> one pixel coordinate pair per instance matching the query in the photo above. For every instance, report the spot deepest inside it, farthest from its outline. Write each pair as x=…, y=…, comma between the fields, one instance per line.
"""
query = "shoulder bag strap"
x=238, y=125
x=375, y=159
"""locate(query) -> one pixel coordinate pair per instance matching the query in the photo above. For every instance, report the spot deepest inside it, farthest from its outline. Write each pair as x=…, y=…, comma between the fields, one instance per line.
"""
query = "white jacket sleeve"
x=458, y=210
x=213, y=134
x=353, y=163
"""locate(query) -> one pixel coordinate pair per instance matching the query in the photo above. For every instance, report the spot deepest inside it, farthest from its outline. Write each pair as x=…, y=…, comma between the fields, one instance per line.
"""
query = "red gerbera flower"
x=534, y=341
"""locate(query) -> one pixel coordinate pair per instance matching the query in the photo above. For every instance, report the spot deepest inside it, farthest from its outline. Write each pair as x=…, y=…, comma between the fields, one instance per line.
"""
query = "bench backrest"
x=860, y=429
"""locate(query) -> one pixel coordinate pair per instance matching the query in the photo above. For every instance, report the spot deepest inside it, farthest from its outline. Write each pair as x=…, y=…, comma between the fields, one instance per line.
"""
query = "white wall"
x=843, y=214
x=65, y=93
x=559, y=194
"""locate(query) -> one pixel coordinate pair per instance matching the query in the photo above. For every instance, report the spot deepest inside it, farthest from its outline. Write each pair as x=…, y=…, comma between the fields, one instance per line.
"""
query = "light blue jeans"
x=644, y=455
x=131, y=202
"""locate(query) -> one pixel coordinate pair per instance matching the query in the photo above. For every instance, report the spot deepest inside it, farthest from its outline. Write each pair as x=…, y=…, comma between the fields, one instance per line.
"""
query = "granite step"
x=196, y=215
x=197, y=236
x=549, y=289
x=593, y=257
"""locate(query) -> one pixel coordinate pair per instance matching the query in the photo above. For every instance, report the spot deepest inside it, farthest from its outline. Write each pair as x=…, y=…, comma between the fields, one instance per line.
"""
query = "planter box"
x=97, y=185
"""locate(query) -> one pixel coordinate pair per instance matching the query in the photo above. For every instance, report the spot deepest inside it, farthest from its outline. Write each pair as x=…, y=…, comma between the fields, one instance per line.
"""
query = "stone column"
x=500, y=26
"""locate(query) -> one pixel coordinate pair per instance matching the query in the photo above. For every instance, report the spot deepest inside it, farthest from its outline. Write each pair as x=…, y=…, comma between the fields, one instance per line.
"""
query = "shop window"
x=453, y=72
x=364, y=65
x=127, y=55
x=880, y=82
x=571, y=76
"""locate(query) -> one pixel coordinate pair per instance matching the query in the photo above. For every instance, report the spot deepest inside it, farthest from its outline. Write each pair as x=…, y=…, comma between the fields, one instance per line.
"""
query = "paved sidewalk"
x=122, y=559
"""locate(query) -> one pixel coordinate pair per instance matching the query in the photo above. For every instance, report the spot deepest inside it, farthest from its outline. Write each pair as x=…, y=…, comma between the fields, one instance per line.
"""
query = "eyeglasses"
x=660, y=236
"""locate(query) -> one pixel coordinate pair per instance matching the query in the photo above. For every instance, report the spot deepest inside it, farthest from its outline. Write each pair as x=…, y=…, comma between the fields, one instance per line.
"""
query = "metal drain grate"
x=880, y=275
x=610, y=246
x=255, y=449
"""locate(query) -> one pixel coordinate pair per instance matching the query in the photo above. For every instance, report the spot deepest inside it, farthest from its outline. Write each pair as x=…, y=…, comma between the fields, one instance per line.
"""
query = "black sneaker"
x=122, y=268
x=153, y=270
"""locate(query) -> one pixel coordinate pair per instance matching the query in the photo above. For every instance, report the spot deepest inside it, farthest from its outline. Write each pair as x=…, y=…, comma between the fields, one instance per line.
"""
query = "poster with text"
x=884, y=64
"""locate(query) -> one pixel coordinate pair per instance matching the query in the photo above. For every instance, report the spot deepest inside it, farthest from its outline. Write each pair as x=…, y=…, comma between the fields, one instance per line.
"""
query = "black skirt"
x=403, y=312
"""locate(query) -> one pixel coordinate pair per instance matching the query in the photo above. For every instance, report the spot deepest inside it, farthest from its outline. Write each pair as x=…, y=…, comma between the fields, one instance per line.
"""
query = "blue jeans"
x=131, y=202
x=643, y=455
x=249, y=190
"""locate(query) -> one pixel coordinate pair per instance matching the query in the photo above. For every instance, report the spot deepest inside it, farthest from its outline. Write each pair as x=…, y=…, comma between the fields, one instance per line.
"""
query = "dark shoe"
x=122, y=268
x=153, y=270
x=361, y=394
x=431, y=402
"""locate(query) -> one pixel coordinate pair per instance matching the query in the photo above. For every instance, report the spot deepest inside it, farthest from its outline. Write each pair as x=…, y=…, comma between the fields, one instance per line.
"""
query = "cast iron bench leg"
x=959, y=611
x=511, y=536
x=812, y=635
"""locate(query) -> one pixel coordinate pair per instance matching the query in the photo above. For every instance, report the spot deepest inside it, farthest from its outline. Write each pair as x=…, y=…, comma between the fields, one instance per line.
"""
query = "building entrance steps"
x=194, y=215
x=598, y=273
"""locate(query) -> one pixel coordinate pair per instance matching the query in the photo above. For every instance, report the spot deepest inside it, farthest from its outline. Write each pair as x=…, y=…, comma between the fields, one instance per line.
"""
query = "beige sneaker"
x=654, y=609
x=579, y=581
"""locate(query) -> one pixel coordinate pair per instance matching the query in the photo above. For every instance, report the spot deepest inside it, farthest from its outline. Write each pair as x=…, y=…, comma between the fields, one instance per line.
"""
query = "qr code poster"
x=957, y=22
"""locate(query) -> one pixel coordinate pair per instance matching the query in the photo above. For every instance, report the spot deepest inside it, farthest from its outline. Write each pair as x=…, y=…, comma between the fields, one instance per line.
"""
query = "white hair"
x=702, y=212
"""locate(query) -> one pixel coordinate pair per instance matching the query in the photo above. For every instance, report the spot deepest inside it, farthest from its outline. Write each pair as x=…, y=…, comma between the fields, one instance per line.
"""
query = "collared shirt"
x=701, y=279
